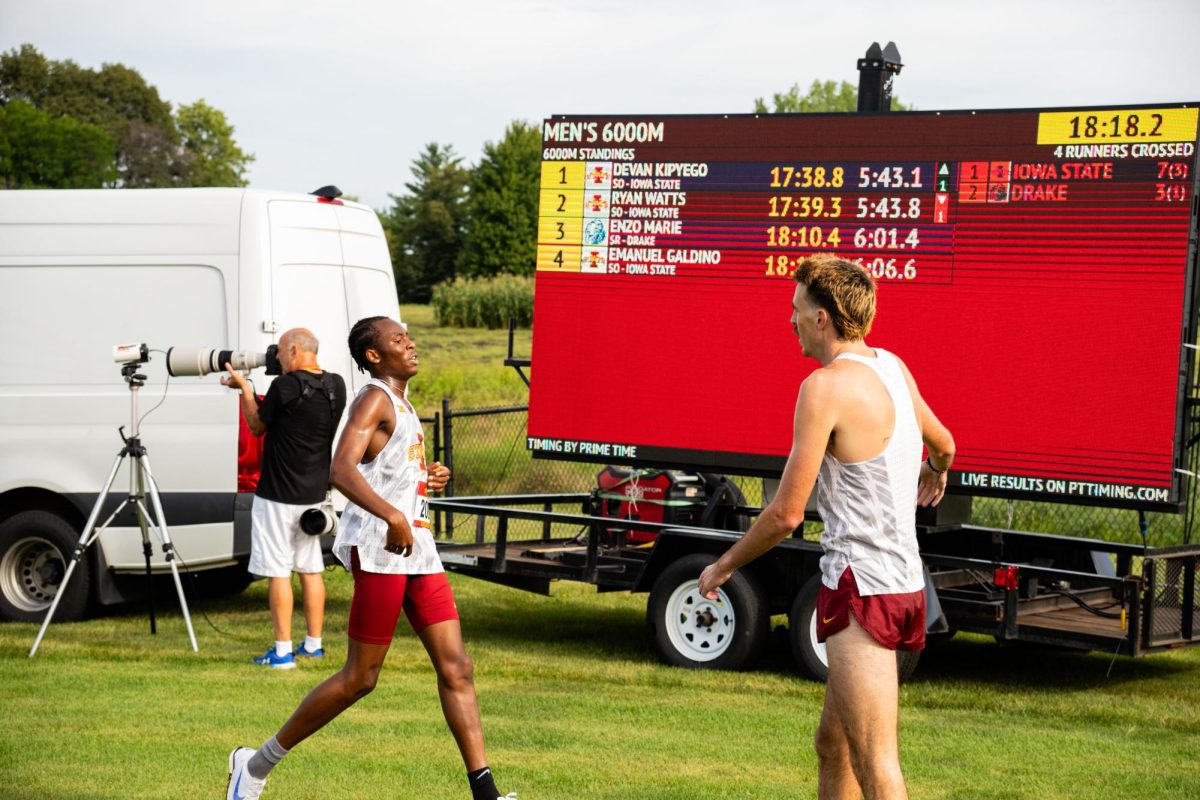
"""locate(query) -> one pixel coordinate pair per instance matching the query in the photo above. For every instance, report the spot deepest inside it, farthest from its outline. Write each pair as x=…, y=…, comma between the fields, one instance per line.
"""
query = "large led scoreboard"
x=1035, y=271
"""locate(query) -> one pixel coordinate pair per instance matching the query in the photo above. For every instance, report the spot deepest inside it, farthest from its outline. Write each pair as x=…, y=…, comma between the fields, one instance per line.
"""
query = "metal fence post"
x=501, y=562
x=437, y=456
x=1150, y=576
x=448, y=454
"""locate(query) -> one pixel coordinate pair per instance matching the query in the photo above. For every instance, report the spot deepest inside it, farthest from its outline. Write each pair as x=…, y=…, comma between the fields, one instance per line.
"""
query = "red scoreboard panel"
x=1034, y=271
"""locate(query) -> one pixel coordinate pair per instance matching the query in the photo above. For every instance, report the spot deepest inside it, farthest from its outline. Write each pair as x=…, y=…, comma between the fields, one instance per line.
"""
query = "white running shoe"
x=509, y=796
x=241, y=785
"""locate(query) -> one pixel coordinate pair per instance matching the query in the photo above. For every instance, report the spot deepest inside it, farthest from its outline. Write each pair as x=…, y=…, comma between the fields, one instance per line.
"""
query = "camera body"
x=136, y=353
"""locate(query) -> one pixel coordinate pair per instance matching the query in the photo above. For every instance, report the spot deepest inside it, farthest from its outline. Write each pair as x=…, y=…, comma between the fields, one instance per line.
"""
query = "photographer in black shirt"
x=299, y=417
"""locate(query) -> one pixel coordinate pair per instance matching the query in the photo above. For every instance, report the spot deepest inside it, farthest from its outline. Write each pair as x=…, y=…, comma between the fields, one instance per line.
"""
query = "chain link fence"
x=1174, y=610
x=1155, y=529
x=485, y=449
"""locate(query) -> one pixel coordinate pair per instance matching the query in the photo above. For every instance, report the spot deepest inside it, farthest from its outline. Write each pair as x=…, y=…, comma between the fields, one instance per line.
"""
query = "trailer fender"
x=935, y=618
x=671, y=545
x=1102, y=562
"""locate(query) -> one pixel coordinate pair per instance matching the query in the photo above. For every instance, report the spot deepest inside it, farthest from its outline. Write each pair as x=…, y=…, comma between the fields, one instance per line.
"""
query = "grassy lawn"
x=575, y=705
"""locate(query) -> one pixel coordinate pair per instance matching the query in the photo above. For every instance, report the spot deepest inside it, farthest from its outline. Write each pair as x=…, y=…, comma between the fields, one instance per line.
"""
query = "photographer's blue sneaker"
x=269, y=659
x=303, y=652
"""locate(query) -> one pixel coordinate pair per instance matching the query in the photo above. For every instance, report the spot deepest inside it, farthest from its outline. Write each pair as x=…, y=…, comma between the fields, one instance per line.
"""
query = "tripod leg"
x=137, y=482
x=168, y=547
x=90, y=532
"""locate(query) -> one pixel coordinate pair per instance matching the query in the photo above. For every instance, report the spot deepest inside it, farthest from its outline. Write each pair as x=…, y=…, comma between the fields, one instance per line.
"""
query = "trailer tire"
x=810, y=654
x=692, y=631
x=35, y=550
x=906, y=664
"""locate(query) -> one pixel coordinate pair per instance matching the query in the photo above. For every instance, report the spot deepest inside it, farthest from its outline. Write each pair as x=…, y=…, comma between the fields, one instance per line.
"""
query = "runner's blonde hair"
x=844, y=289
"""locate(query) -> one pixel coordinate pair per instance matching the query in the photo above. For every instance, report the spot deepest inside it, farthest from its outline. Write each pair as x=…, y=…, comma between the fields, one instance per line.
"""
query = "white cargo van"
x=81, y=271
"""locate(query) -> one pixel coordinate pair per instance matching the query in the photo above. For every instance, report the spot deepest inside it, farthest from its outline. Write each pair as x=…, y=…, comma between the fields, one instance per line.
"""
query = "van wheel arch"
x=36, y=547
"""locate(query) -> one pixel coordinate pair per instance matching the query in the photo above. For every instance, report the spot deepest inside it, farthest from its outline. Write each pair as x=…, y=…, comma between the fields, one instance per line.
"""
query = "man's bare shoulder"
x=832, y=378
x=371, y=404
x=824, y=384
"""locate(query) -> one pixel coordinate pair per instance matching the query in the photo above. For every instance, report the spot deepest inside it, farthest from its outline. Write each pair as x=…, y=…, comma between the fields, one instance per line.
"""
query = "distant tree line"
x=455, y=221
x=64, y=126
x=822, y=96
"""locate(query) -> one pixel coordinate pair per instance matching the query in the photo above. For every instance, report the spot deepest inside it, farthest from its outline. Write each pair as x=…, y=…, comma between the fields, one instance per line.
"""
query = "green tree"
x=148, y=143
x=821, y=96
x=425, y=224
x=213, y=157
x=502, y=205
x=24, y=75
x=115, y=97
x=41, y=151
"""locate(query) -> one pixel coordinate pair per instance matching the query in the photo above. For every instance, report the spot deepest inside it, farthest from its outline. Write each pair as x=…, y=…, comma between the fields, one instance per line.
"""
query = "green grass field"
x=575, y=704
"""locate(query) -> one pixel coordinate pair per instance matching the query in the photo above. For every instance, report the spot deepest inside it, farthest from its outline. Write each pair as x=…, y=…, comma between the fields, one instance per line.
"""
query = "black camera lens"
x=318, y=522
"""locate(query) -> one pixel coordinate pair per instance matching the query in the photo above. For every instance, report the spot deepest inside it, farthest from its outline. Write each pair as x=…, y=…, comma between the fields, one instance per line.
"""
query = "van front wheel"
x=35, y=548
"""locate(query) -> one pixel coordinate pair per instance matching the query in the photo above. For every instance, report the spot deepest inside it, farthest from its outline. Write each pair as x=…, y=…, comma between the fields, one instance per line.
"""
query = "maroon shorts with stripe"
x=378, y=600
x=896, y=621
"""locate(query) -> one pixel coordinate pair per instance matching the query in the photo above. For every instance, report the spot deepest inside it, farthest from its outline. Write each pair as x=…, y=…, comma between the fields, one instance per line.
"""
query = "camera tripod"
x=141, y=483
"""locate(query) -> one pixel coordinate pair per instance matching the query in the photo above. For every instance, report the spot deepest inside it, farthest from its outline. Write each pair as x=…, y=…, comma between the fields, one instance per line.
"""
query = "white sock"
x=312, y=643
x=265, y=759
x=283, y=648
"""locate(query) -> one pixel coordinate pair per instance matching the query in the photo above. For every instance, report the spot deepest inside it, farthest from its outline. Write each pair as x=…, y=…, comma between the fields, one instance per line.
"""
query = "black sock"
x=482, y=785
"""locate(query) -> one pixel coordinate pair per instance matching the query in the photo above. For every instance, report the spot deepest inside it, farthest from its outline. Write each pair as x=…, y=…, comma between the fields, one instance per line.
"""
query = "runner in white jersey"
x=386, y=541
x=867, y=506
x=858, y=428
x=397, y=472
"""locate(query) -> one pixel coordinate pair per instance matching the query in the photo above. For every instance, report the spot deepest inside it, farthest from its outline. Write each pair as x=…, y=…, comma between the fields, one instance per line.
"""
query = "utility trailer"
x=1036, y=270
x=1082, y=594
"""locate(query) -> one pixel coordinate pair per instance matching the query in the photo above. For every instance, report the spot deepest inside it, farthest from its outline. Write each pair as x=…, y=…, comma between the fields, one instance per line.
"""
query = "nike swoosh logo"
x=827, y=621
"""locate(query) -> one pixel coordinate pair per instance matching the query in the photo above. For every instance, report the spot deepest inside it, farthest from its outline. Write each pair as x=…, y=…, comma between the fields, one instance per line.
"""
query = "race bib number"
x=421, y=513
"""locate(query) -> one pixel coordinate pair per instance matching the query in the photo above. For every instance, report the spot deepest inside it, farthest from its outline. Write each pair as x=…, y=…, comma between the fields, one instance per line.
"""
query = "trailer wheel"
x=35, y=548
x=810, y=654
x=692, y=631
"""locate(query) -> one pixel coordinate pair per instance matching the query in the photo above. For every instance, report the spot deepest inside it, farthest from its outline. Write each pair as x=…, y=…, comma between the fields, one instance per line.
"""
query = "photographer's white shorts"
x=277, y=545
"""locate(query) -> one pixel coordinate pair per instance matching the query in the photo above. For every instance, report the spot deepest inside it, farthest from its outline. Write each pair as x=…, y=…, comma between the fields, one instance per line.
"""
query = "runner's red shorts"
x=378, y=600
x=896, y=621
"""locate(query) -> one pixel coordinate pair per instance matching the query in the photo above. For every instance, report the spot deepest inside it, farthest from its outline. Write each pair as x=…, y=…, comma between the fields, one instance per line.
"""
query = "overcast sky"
x=349, y=93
